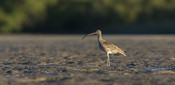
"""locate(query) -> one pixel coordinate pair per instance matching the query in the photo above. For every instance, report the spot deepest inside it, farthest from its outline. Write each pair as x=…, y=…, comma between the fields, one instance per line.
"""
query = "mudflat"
x=68, y=60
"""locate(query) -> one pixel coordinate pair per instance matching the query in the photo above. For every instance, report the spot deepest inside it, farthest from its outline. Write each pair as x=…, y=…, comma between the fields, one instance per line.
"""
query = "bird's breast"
x=100, y=46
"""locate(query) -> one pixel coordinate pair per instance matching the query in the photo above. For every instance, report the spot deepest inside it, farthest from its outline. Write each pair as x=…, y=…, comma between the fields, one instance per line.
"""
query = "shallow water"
x=154, y=69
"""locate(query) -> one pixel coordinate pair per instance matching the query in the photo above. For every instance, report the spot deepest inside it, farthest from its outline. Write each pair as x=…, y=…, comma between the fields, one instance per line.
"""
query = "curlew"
x=107, y=47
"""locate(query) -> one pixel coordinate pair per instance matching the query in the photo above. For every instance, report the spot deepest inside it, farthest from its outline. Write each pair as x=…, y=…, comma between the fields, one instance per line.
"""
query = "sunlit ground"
x=66, y=59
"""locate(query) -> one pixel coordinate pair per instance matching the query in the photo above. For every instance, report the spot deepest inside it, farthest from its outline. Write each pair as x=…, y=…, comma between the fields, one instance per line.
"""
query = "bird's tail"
x=123, y=52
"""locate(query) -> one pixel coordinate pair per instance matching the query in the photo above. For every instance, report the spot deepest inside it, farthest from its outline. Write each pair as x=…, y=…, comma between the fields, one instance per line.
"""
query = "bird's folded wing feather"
x=109, y=45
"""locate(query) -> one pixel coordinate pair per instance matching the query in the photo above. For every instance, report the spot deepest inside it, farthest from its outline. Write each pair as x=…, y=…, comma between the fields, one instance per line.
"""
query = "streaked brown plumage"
x=107, y=47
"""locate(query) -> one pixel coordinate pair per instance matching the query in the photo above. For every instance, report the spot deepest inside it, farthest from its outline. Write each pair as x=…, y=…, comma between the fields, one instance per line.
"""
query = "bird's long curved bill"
x=89, y=34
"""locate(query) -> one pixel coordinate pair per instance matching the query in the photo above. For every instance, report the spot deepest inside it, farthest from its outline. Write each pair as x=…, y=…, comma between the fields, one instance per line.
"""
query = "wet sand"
x=68, y=60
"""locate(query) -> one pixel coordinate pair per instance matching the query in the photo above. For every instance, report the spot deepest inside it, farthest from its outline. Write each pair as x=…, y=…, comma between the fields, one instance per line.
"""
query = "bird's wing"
x=109, y=45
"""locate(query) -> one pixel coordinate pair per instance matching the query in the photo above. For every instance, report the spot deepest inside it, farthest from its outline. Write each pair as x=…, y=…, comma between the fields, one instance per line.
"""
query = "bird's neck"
x=100, y=37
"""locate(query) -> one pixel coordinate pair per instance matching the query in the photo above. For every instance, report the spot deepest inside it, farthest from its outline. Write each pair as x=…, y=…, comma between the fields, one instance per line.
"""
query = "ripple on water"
x=154, y=69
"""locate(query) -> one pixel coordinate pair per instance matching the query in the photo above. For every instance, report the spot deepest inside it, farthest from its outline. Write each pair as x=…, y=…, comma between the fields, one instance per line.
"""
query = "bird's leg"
x=108, y=60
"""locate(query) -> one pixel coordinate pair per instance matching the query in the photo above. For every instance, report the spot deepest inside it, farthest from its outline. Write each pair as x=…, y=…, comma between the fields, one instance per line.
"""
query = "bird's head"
x=98, y=32
x=94, y=33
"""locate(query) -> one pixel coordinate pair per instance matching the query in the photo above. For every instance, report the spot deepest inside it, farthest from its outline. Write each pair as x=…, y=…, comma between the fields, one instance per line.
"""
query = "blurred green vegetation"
x=59, y=16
